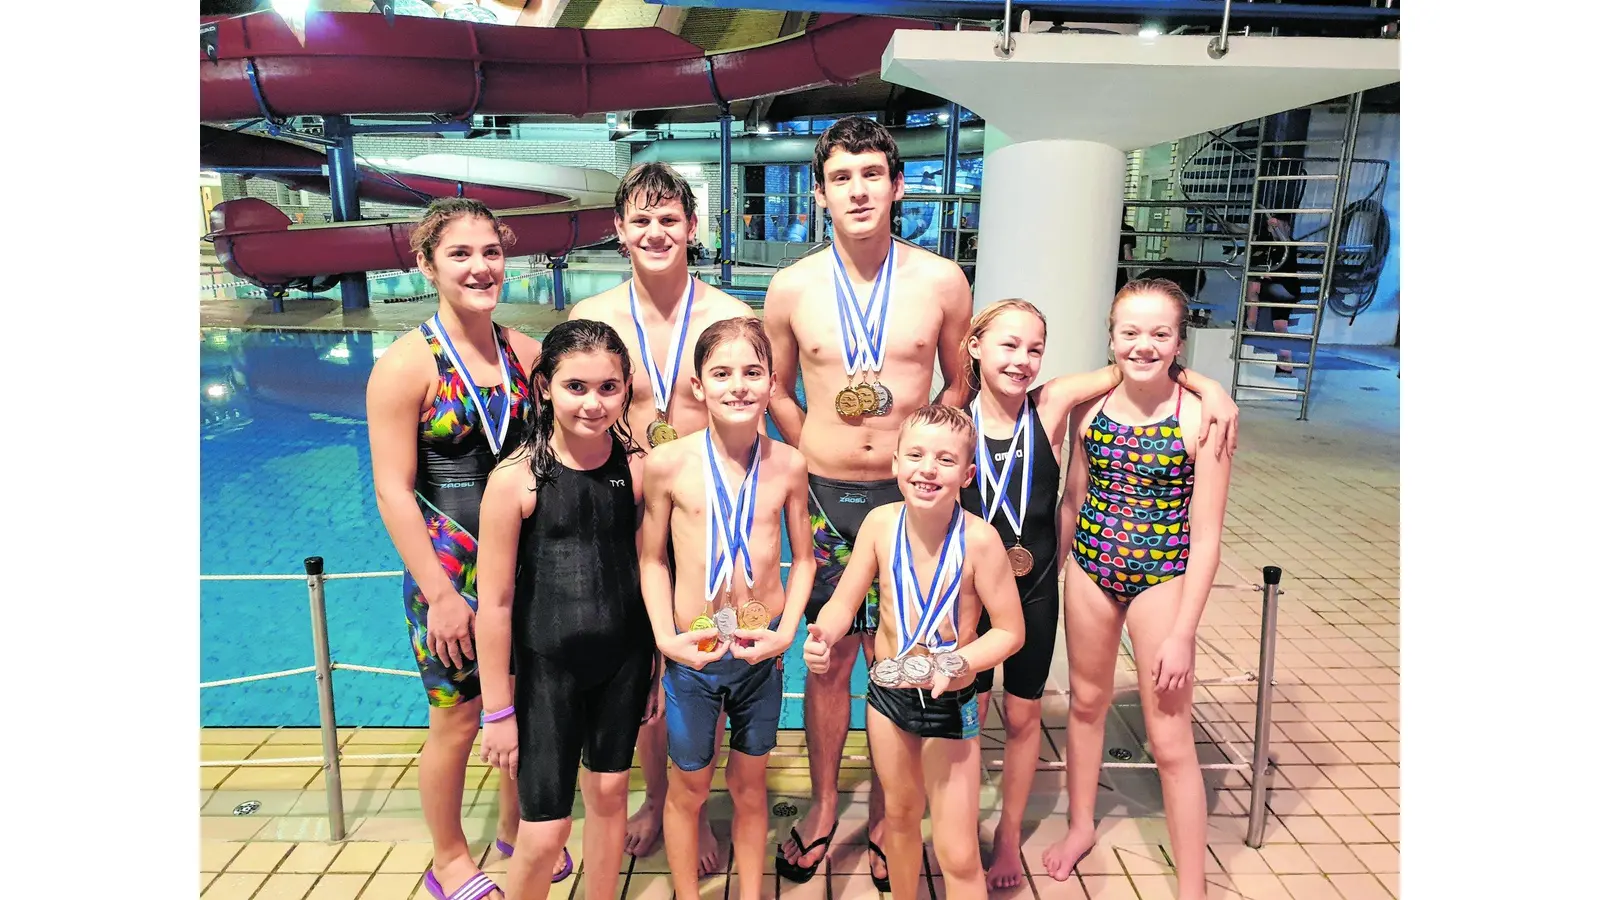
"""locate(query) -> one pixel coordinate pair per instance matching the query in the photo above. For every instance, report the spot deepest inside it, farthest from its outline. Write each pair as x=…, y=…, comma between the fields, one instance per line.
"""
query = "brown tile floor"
x=1318, y=498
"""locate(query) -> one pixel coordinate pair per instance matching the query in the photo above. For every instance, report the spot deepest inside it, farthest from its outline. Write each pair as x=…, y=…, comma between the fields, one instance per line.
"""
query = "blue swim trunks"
x=752, y=696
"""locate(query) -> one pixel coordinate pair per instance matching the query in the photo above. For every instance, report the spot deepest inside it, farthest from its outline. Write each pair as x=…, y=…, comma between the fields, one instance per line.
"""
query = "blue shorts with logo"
x=752, y=696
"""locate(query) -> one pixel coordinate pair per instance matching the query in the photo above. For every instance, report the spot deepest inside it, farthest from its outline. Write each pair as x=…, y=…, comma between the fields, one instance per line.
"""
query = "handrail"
x=332, y=755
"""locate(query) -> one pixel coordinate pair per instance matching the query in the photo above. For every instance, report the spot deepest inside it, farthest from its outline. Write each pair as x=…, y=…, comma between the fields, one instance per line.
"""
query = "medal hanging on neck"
x=661, y=387
x=922, y=647
x=862, y=338
x=1018, y=556
x=494, y=431
x=728, y=526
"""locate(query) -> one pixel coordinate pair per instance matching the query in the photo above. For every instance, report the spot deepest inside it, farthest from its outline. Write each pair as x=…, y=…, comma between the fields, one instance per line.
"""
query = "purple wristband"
x=506, y=713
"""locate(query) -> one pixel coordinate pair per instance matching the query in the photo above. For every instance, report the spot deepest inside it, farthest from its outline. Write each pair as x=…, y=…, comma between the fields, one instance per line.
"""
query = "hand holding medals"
x=926, y=654
x=659, y=431
x=994, y=487
x=728, y=527
x=862, y=340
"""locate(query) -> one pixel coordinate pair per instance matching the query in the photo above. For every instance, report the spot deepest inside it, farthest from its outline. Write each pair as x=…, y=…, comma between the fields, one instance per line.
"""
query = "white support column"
x=1050, y=211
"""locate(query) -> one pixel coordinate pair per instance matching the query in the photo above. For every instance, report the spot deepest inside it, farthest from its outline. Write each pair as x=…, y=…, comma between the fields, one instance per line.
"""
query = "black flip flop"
x=802, y=874
x=881, y=884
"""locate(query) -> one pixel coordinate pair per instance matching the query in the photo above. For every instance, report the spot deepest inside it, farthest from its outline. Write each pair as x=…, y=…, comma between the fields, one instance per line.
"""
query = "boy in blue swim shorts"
x=721, y=614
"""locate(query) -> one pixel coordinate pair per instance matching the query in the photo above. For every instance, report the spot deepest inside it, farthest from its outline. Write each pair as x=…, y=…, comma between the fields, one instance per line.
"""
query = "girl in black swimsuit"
x=558, y=575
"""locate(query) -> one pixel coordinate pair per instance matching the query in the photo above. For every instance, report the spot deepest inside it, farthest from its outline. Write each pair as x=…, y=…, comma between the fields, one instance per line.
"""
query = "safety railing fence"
x=333, y=756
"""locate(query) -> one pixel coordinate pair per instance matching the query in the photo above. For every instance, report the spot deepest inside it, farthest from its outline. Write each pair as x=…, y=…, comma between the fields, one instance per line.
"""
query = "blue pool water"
x=285, y=474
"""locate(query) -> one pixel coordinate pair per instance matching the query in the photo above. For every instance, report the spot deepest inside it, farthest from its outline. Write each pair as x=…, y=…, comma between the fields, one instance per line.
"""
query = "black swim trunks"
x=837, y=510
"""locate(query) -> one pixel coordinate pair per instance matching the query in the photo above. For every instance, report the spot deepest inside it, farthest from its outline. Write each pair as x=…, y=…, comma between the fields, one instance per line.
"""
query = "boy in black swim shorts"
x=942, y=567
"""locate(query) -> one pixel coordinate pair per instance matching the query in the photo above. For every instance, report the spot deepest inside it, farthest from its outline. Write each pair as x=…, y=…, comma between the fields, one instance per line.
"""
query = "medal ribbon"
x=661, y=388
x=861, y=334
x=729, y=526
x=935, y=606
x=988, y=480
x=495, y=432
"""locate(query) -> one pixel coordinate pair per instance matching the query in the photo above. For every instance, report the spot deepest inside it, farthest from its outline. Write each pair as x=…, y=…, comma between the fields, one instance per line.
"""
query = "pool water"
x=286, y=474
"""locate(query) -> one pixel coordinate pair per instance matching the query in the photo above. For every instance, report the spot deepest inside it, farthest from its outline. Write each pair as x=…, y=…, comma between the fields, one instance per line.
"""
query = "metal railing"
x=332, y=756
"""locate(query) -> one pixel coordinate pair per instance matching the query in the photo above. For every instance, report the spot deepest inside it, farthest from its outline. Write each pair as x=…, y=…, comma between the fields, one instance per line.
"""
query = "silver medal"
x=886, y=673
x=726, y=620
x=885, y=399
x=918, y=670
x=953, y=665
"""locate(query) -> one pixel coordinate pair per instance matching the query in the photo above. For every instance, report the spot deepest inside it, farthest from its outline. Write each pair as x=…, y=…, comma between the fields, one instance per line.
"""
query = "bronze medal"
x=753, y=616
x=1021, y=560
x=868, y=398
x=847, y=404
x=660, y=432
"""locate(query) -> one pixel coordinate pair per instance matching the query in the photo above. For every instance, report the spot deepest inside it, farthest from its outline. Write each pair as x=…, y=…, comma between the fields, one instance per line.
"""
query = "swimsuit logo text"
x=852, y=498
x=1001, y=457
x=619, y=482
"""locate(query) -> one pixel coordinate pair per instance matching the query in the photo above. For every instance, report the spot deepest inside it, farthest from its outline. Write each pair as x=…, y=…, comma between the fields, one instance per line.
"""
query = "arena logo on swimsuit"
x=1001, y=457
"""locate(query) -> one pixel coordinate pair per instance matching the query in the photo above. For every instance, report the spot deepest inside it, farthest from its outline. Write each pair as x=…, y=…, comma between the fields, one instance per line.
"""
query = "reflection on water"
x=524, y=283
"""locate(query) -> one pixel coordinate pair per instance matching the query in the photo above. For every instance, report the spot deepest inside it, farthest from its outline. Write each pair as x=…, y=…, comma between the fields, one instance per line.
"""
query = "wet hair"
x=855, y=134
x=948, y=417
x=1161, y=287
x=440, y=213
x=981, y=323
x=748, y=328
x=657, y=182
x=567, y=338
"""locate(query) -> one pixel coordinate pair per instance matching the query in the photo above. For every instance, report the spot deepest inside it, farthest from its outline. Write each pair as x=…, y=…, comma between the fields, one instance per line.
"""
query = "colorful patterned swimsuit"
x=453, y=465
x=1133, y=529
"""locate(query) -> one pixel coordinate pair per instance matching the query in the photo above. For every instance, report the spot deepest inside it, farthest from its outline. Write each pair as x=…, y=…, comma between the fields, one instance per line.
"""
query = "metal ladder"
x=1290, y=183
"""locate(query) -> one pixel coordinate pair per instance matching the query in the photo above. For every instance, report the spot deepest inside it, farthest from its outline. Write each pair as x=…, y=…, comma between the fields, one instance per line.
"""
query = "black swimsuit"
x=1028, y=668
x=581, y=637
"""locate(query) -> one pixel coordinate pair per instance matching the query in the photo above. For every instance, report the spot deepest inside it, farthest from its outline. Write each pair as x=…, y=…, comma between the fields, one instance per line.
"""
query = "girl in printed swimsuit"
x=1026, y=424
x=1145, y=512
x=441, y=404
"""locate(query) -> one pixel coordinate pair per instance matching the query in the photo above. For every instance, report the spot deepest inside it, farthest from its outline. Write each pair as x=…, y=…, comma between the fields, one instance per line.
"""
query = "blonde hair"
x=986, y=317
x=947, y=417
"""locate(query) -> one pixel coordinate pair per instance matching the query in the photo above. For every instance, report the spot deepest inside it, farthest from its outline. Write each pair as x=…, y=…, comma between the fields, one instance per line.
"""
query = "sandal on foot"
x=566, y=864
x=882, y=884
x=476, y=888
x=802, y=874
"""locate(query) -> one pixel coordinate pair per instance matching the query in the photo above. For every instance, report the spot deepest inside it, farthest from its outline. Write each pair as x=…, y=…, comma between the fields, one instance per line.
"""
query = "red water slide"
x=361, y=64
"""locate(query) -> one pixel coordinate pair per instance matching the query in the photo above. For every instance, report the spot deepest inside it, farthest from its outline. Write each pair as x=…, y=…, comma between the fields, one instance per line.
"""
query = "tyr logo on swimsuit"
x=619, y=482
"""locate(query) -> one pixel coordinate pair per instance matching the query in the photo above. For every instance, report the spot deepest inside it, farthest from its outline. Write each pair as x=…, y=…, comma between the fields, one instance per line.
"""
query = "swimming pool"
x=285, y=474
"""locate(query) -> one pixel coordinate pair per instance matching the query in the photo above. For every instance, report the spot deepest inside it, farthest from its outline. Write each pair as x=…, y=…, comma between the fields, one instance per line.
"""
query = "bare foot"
x=710, y=858
x=1006, y=870
x=457, y=872
x=1064, y=855
x=644, y=830
x=812, y=830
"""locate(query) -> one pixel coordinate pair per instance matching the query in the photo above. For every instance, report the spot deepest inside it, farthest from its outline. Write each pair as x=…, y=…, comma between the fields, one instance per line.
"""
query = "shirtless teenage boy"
x=942, y=566
x=859, y=317
x=720, y=494
x=665, y=309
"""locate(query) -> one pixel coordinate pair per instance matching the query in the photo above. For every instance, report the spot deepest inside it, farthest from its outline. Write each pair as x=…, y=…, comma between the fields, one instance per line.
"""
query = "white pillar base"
x=1050, y=213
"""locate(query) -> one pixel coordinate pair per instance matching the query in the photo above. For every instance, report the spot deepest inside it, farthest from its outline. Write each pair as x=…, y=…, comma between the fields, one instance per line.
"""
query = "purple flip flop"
x=566, y=865
x=476, y=888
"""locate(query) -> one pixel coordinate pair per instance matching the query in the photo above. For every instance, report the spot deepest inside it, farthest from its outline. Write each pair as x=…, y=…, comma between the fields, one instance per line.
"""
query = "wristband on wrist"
x=506, y=713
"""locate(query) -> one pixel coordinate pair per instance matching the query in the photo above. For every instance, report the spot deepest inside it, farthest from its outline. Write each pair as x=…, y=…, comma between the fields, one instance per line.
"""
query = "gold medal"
x=847, y=404
x=699, y=624
x=660, y=432
x=1021, y=560
x=868, y=398
x=753, y=616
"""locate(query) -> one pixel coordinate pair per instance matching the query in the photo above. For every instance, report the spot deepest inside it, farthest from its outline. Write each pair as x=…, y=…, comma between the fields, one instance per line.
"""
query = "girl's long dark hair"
x=573, y=336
